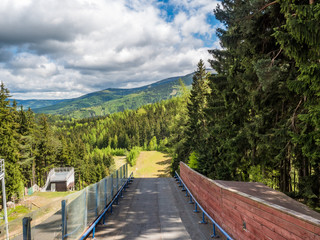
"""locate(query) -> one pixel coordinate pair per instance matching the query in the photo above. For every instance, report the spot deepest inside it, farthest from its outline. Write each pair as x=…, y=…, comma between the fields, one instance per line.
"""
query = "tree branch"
x=261, y=9
x=294, y=115
x=269, y=4
x=272, y=61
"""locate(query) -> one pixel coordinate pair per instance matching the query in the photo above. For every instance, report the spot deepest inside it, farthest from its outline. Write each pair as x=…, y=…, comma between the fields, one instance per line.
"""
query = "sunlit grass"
x=51, y=194
x=151, y=164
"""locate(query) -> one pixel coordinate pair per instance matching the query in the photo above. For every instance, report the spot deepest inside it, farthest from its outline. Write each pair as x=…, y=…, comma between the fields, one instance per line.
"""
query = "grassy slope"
x=38, y=199
x=152, y=164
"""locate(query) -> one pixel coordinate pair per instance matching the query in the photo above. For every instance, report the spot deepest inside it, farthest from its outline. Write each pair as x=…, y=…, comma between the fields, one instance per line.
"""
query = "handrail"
x=94, y=224
x=70, y=173
x=203, y=211
x=44, y=188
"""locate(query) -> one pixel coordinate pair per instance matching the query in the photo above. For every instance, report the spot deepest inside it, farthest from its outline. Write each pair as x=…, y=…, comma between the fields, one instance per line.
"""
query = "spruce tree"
x=196, y=129
x=9, y=144
x=299, y=38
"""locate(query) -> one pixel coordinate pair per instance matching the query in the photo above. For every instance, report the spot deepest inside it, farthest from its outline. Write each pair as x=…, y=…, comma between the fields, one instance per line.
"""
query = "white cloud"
x=67, y=48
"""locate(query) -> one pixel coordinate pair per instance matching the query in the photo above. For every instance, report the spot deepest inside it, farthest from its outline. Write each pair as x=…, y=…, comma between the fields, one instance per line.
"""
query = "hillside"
x=115, y=100
x=37, y=103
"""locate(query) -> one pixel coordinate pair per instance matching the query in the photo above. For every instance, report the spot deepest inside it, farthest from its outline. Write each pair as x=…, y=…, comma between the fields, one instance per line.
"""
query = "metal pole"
x=26, y=223
x=196, y=208
x=117, y=181
x=97, y=198
x=203, y=219
x=4, y=202
x=112, y=187
x=85, y=215
x=64, y=218
x=214, y=231
x=105, y=191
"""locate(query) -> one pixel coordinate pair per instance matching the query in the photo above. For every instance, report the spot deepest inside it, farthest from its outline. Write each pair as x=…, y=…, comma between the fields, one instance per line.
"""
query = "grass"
x=39, y=199
x=50, y=195
x=151, y=164
x=119, y=161
x=16, y=212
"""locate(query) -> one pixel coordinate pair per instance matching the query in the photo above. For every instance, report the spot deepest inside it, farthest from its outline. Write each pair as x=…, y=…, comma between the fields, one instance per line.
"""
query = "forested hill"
x=37, y=103
x=33, y=144
x=116, y=100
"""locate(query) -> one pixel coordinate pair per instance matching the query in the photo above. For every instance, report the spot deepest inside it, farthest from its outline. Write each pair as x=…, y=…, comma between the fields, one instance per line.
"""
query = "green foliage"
x=193, y=161
x=9, y=144
x=109, y=101
x=133, y=155
x=257, y=119
x=153, y=144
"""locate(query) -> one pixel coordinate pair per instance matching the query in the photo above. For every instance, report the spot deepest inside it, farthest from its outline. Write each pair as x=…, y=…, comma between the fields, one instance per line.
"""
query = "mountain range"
x=110, y=100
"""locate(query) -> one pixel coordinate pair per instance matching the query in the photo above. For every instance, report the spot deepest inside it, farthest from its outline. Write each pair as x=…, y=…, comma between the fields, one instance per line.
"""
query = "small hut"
x=60, y=179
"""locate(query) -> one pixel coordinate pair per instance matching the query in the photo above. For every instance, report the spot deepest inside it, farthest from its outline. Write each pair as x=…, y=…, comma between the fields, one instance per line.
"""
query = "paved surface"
x=154, y=208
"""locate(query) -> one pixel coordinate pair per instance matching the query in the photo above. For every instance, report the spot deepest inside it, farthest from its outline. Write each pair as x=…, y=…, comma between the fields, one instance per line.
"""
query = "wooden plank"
x=275, y=224
x=230, y=209
x=286, y=216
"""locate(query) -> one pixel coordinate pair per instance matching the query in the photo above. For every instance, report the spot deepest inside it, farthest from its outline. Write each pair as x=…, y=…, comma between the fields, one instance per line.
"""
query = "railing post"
x=105, y=191
x=196, y=208
x=26, y=223
x=64, y=218
x=203, y=221
x=117, y=180
x=214, y=231
x=93, y=232
x=112, y=186
x=97, y=198
x=85, y=215
x=4, y=199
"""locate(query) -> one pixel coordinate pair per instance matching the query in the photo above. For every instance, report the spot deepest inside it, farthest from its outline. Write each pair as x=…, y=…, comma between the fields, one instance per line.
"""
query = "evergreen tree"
x=299, y=37
x=9, y=145
x=196, y=130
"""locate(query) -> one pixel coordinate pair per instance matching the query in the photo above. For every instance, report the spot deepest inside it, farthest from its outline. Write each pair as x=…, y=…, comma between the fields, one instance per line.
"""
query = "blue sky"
x=57, y=49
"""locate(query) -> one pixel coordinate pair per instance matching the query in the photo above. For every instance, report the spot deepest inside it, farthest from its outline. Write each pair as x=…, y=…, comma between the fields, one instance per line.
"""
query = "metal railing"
x=91, y=204
x=197, y=205
x=102, y=216
x=4, y=202
x=77, y=213
x=44, y=188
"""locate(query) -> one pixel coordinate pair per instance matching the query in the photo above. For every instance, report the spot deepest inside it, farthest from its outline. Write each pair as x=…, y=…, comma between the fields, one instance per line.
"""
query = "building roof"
x=61, y=174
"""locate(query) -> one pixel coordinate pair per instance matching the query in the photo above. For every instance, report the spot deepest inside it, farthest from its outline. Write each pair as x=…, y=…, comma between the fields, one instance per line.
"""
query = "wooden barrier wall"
x=231, y=209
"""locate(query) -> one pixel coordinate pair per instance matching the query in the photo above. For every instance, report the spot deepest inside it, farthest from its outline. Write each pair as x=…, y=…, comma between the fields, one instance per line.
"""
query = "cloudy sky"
x=52, y=49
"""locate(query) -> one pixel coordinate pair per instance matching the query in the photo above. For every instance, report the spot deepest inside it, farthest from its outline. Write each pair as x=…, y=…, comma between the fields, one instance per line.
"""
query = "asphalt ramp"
x=154, y=208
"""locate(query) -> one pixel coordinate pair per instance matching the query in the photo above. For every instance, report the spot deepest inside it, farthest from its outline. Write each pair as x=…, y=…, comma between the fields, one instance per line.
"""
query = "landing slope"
x=152, y=164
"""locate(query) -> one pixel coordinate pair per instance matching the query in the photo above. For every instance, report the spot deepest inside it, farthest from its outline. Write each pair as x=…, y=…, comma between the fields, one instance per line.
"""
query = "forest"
x=256, y=119
x=32, y=144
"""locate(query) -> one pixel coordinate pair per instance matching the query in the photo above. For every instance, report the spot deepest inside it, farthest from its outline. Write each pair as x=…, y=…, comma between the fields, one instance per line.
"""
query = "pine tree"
x=299, y=38
x=27, y=145
x=197, y=103
x=9, y=144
